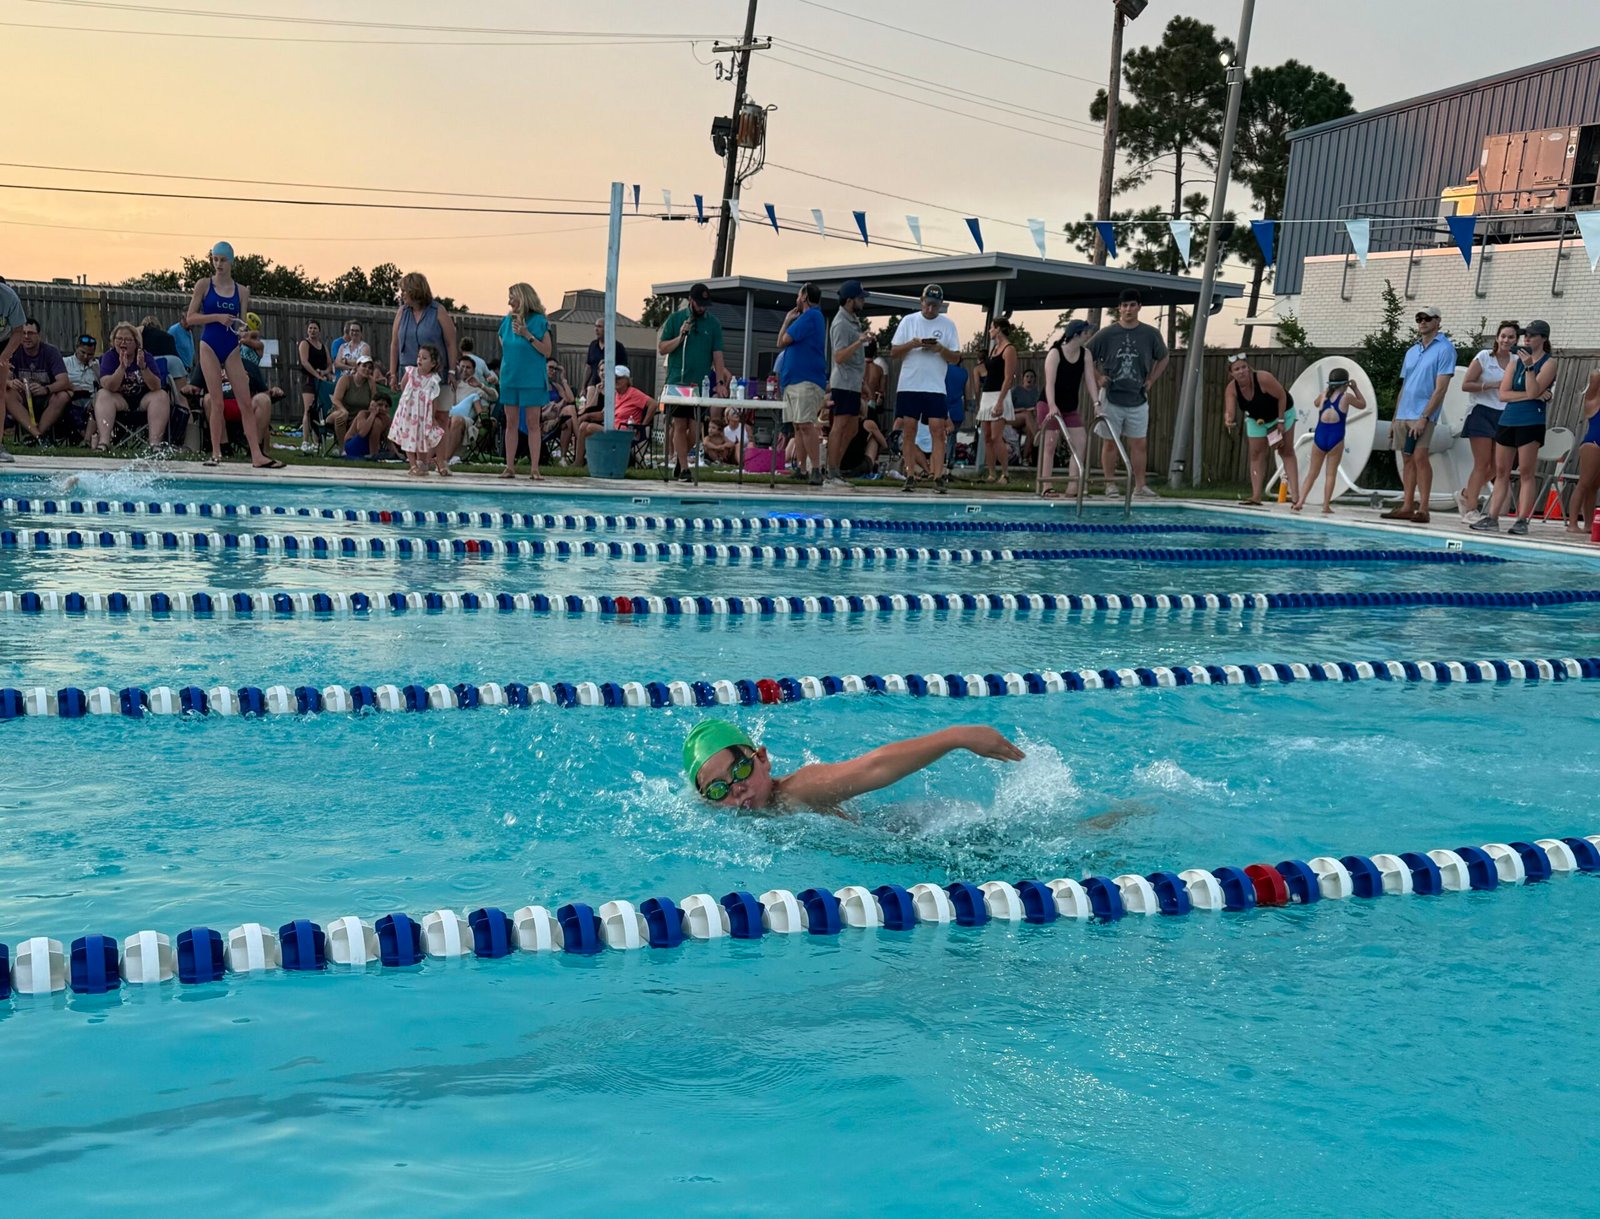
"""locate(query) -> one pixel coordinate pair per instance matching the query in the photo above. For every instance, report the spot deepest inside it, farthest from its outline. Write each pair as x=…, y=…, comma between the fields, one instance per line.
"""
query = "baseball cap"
x=360, y=360
x=706, y=740
x=622, y=370
x=700, y=294
x=1074, y=328
x=933, y=292
x=1429, y=311
x=850, y=290
x=1542, y=329
x=223, y=248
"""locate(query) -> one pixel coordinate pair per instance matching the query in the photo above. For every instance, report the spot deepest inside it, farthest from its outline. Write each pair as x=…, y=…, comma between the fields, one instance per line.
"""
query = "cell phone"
x=1275, y=437
x=1411, y=443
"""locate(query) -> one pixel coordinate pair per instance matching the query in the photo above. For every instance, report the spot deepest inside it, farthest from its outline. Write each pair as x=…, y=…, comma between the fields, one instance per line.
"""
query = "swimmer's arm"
x=826, y=785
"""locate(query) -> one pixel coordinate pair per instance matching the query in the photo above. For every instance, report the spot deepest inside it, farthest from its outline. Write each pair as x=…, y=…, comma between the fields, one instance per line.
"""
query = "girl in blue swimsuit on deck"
x=219, y=304
x=1333, y=408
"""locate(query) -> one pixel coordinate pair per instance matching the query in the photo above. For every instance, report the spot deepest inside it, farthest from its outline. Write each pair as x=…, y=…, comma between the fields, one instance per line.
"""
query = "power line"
x=1016, y=109
x=383, y=190
x=426, y=44
x=927, y=105
x=1009, y=60
x=398, y=207
x=89, y=228
x=347, y=23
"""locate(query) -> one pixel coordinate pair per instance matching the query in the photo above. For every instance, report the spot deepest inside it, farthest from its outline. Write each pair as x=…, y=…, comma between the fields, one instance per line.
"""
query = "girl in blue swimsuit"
x=1333, y=409
x=219, y=304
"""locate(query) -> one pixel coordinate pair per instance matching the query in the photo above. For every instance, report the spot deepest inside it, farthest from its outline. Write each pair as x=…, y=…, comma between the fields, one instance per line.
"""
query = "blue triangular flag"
x=861, y=223
x=1108, y=235
x=636, y=196
x=1462, y=228
x=1266, y=233
x=700, y=209
x=977, y=233
x=772, y=216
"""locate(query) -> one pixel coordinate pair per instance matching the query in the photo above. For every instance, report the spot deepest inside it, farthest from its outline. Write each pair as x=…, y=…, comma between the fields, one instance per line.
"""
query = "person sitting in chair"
x=131, y=383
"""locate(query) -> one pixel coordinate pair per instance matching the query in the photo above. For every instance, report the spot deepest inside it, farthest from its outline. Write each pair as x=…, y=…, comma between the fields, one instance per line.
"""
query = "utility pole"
x=1187, y=432
x=722, y=261
x=1123, y=11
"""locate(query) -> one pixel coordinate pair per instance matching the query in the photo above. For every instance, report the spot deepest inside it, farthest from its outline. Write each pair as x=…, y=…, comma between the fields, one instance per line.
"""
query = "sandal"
x=1049, y=493
x=212, y=461
x=508, y=472
x=272, y=463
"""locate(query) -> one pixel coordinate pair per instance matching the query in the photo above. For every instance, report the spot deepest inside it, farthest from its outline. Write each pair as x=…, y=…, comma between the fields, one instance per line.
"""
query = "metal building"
x=1396, y=160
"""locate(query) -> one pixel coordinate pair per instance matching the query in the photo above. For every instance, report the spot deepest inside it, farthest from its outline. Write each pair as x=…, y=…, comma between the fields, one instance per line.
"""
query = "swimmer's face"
x=755, y=791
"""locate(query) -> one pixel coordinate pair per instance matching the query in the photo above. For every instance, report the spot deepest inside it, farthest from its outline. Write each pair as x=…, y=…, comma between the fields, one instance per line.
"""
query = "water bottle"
x=772, y=388
x=705, y=387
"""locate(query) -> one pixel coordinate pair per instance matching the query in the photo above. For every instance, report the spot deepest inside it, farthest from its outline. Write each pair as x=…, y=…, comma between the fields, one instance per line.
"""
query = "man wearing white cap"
x=635, y=408
x=1424, y=377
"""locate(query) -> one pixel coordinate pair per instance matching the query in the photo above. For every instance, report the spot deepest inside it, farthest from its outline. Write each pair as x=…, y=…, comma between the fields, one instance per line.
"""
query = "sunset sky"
x=296, y=93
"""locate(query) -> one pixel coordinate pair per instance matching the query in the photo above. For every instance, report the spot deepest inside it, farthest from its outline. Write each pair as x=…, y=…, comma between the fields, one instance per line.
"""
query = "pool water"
x=1336, y=1058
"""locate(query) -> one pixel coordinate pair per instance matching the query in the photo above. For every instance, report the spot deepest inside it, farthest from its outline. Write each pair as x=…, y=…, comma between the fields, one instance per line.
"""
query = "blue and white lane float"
x=137, y=702
x=589, y=522
x=318, y=546
x=100, y=964
x=260, y=604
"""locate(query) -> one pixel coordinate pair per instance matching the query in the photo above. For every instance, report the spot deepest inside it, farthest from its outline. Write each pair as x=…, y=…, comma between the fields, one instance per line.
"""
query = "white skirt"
x=993, y=406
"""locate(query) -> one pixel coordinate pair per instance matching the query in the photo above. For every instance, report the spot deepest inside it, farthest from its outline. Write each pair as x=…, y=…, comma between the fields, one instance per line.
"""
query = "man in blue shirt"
x=1424, y=378
x=803, y=340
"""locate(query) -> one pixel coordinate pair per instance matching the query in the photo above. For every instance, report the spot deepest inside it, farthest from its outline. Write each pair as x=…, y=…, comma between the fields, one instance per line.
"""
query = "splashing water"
x=141, y=475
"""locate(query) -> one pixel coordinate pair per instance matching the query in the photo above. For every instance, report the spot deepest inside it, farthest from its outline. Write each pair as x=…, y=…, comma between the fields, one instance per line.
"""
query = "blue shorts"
x=1483, y=421
x=923, y=407
x=356, y=448
x=846, y=402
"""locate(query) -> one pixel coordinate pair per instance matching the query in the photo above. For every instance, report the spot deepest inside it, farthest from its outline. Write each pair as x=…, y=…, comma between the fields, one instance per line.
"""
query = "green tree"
x=265, y=278
x=1176, y=94
x=1383, y=351
x=656, y=310
x=1276, y=101
x=1292, y=336
x=1024, y=342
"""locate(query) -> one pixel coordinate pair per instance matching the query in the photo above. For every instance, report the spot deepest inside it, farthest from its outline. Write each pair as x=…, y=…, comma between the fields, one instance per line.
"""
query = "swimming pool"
x=1334, y=1054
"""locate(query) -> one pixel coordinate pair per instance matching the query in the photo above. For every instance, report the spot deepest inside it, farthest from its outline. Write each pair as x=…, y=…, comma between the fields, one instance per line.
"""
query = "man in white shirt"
x=83, y=373
x=926, y=343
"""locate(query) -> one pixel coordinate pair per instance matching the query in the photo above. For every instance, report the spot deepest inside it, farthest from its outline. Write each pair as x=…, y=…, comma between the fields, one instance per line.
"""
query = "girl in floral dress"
x=414, y=428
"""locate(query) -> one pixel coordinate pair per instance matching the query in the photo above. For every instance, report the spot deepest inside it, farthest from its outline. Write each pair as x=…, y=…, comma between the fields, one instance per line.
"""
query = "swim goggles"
x=743, y=767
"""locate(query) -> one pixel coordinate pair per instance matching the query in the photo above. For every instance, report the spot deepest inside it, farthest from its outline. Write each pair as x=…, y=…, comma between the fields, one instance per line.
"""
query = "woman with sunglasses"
x=1268, y=424
x=728, y=768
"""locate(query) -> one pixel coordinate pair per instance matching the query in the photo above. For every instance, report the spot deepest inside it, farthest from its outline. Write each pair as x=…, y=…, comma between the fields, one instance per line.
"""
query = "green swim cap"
x=707, y=739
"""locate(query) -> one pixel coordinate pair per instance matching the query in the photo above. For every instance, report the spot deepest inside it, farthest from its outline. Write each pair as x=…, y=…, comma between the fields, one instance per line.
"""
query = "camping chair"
x=1554, y=455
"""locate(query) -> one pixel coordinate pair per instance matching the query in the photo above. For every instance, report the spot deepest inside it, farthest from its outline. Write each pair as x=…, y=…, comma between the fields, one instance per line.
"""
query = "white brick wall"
x=1516, y=283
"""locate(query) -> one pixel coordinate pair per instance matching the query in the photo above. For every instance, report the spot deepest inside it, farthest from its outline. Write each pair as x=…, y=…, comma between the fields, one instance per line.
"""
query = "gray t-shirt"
x=1126, y=357
x=844, y=331
x=11, y=312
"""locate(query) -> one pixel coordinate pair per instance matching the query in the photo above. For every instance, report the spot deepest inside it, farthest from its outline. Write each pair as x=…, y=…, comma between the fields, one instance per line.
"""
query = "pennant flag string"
x=914, y=223
x=772, y=216
x=977, y=232
x=636, y=198
x=666, y=200
x=861, y=223
x=700, y=208
x=1182, y=237
x=1036, y=227
x=1108, y=235
x=1266, y=234
x=1589, y=229
x=1462, y=228
x=1360, y=238
x=822, y=229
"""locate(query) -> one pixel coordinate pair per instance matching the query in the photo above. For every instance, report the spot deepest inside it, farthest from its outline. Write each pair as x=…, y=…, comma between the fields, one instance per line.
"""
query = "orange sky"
x=542, y=120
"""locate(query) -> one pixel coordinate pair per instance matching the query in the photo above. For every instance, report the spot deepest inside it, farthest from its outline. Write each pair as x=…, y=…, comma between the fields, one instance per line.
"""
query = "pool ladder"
x=1104, y=431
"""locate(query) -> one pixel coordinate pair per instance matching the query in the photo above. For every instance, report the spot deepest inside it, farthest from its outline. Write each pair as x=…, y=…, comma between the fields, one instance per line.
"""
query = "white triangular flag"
x=1182, y=237
x=666, y=198
x=1036, y=227
x=816, y=215
x=1360, y=238
x=915, y=225
x=1589, y=227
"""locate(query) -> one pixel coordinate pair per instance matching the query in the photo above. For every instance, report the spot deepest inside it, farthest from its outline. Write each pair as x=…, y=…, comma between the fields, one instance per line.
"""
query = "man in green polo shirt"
x=691, y=339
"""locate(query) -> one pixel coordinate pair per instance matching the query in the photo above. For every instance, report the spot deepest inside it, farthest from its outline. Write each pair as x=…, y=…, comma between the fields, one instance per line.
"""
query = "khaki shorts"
x=1400, y=432
x=802, y=403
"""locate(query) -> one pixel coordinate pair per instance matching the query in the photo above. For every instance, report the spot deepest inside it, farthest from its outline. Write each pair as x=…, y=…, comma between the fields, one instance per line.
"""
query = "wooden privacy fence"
x=68, y=310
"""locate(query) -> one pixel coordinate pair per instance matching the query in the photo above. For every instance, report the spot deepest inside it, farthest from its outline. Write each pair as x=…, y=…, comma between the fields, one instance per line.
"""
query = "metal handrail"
x=1110, y=433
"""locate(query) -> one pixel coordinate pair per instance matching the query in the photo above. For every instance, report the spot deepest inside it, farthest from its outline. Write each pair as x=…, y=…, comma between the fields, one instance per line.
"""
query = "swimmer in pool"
x=728, y=768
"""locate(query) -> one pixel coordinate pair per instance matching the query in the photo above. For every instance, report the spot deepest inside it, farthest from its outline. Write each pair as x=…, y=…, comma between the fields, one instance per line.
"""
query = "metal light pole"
x=613, y=256
x=1187, y=430
x=1124, y=11
x=720, y=260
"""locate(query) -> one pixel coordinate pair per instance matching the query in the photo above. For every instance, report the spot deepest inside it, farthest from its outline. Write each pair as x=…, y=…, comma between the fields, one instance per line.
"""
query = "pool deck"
x=1444, y=526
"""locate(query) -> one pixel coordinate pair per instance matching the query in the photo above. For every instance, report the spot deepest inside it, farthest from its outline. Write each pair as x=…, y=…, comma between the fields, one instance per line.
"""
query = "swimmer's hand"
x=828, y=785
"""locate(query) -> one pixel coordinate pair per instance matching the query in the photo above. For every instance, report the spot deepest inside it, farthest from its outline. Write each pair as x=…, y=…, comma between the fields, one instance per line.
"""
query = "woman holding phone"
x=1525, y=389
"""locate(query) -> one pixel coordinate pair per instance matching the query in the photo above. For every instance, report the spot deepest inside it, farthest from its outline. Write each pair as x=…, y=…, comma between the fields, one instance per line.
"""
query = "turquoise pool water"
x=1331, y=1057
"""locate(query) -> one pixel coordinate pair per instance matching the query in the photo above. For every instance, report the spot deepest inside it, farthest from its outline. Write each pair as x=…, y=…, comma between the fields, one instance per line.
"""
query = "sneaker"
x=1520, y=529
x=941, y=485
x=1462, y=506
x=1111, y=492
x=911, y=485
x=815, y=478
x=1487, y=524
x=5, y=457
x=1471, y=517
x=307, y=446
x=1145, y=492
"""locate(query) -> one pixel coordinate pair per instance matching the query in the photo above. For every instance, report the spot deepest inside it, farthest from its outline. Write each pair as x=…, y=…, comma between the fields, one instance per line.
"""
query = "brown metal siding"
x=1415, y=150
